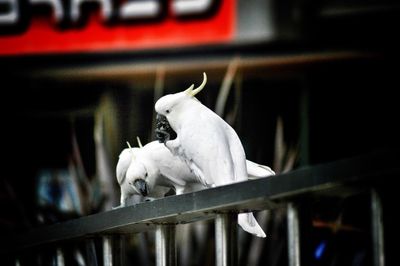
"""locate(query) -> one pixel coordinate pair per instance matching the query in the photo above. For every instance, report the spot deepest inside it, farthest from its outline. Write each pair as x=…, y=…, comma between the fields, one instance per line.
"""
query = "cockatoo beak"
x=164, y=131
x=142, y=187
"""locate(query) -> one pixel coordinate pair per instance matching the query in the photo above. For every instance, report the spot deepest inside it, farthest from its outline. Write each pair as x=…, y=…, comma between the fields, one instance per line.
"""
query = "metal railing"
x=353, y=175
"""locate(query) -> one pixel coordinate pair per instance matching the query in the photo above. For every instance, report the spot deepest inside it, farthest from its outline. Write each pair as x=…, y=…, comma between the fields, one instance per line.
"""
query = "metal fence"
x=365, y=173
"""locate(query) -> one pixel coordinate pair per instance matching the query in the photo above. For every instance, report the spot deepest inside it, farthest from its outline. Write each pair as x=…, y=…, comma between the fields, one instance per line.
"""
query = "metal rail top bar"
x=250, y=195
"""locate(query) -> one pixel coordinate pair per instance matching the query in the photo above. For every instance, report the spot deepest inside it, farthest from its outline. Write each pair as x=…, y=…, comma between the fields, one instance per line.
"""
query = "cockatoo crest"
x=139, y=142
x=168, y=103
x=131, y=151
x=192, y=92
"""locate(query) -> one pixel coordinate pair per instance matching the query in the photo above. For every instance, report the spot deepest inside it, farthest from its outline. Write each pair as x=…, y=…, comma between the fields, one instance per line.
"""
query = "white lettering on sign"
x=12, y=16
x=140, y=9
x=190, y=7
x=128, y=10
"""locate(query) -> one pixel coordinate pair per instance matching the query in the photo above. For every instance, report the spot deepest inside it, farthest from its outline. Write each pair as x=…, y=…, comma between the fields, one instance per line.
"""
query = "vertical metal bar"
x=91, y=255
x=107, y=251
x=293, y=235
x=119, y=250
x=226, y=239
x=165, y=245
x=377, y=229
x=60, y=257
x=143, y=250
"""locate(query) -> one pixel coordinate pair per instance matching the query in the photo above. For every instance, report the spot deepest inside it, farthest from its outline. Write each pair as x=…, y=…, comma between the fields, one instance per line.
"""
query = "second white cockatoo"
x=151, y=170
x=130, y=186
x=209, y=146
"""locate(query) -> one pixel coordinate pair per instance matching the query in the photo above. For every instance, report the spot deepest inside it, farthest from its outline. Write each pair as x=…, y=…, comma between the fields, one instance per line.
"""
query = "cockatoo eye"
x=146, y=175
x=167, y=111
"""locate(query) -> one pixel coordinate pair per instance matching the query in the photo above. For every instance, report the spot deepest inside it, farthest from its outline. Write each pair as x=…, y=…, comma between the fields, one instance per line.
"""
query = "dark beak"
x=164, y=131
x=142, y=187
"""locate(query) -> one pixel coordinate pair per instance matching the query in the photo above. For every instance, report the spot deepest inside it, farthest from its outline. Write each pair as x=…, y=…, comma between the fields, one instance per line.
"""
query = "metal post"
x=377, y=229
x=60, y=257
x=119, y=250
x=91, y=255
x=165, y=245
x=107, y=251
x=226, y=239
x=293, y=235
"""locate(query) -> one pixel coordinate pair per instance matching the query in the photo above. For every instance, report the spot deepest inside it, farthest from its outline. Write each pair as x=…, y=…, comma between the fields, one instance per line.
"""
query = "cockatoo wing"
x=125, y=159
x=170, y=169
x=237, y=154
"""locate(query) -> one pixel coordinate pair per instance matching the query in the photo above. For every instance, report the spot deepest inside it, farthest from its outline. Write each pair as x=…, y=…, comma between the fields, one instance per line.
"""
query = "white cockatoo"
x=209, y=146
x=130, y=186
x=152, y=170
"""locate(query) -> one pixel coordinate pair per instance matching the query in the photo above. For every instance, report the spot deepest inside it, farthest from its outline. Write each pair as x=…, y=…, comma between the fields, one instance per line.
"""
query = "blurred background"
x=302, y=82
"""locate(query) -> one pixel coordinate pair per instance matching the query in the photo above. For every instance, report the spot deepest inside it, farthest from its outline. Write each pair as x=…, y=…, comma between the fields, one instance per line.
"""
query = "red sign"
x=131, y=26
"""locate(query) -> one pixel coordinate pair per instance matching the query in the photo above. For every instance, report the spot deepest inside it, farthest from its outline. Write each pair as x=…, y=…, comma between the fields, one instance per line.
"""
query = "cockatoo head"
x=169, y=107
x=136, y=176
x=140, y=171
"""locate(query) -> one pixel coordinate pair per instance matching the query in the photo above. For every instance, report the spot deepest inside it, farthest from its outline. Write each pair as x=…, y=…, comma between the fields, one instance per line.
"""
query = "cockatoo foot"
x=149, y=199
